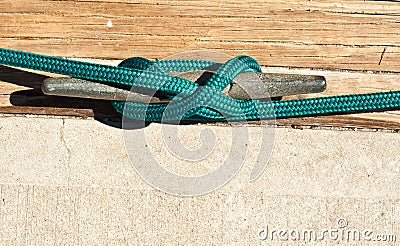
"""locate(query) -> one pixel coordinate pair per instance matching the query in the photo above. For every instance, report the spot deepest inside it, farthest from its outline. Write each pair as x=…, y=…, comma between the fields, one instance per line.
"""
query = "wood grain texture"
x=318, y=34
x=354, y=44
x=21, y=95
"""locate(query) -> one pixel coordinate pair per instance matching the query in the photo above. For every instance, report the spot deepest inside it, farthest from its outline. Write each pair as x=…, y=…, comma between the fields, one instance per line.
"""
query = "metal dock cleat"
x=244, y=86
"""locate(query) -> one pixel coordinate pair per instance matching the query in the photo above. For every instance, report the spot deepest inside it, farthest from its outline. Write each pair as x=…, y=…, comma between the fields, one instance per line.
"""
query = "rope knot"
x=189, y=101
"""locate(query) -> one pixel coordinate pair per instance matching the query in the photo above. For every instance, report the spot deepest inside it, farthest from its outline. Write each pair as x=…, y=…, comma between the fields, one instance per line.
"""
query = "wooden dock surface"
x=355, y=44
x=71, y=181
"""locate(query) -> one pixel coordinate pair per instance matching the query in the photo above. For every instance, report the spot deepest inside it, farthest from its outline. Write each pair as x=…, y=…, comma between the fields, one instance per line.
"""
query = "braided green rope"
x=191, y=101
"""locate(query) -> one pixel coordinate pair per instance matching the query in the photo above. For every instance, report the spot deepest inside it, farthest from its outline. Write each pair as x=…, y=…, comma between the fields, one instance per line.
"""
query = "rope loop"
x=189, y=101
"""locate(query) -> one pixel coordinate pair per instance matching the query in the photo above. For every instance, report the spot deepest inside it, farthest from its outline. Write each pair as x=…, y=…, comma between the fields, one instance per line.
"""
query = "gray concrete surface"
x=69, y=181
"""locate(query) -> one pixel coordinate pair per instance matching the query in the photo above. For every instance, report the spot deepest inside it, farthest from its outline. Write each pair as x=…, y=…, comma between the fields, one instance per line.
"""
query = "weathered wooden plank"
x=342, y=35
x=21, y=94
x=317, y=34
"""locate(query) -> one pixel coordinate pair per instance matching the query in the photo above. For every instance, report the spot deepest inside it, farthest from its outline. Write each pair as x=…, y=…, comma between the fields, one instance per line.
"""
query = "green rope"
x=190, y=101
